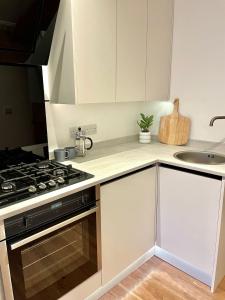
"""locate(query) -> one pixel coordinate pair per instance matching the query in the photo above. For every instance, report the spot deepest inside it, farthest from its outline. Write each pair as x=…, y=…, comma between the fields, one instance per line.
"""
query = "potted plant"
x=145, y=123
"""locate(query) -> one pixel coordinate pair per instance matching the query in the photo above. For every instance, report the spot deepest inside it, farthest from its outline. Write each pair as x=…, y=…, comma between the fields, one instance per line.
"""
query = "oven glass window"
x=55, y=264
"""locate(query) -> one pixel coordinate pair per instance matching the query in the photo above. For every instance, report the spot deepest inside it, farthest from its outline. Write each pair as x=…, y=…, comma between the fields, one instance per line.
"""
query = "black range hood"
x=26, y=30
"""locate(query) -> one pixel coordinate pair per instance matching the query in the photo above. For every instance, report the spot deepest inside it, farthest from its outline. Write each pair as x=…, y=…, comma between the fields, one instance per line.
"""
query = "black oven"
x=53, y=248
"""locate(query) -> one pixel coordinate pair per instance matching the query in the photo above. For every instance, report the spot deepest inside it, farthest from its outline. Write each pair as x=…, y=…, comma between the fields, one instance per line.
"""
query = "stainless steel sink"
x=201, y=157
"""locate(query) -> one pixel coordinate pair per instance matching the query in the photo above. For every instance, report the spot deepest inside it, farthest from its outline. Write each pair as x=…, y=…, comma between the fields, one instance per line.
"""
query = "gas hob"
x=26, y=181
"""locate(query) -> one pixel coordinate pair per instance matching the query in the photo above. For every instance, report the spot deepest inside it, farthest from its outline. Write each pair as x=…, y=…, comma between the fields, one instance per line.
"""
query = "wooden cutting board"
x=174, y=129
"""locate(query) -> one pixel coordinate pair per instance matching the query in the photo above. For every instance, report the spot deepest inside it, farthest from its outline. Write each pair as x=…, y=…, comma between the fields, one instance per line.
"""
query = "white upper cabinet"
x=94, y=43
x=159, y=49
x=111, y=51
x=132, y=23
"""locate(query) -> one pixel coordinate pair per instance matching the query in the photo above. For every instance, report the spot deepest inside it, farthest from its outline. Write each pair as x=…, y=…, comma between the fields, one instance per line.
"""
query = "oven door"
x=50, y=263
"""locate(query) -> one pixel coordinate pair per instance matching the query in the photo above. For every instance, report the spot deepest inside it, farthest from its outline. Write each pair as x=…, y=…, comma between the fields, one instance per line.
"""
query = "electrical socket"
x=88, y=129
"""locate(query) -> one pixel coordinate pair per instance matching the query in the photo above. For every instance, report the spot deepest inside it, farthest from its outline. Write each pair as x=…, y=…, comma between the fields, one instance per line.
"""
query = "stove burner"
x=29, y=180
x=8, y=187
x=58, y=172
x=43, y=166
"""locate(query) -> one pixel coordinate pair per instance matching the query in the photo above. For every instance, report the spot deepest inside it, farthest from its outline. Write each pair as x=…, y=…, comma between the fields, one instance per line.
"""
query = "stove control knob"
x=52, y=183
x=32, y=189
x=60, y=180
x=42, y=186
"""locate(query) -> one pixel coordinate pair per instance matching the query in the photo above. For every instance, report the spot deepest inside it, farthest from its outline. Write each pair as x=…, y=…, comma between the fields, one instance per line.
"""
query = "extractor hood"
x=26, y=30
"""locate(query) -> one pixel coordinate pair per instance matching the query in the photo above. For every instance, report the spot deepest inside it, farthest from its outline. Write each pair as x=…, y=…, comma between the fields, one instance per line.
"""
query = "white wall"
x=198, y=66
x=113, y=120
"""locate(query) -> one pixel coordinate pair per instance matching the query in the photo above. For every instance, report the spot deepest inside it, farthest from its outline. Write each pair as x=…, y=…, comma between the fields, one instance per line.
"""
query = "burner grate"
x=9, y=174
x=28, y=180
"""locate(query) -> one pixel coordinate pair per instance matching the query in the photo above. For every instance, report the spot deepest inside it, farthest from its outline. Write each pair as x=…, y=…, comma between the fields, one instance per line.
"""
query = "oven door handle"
x=51, y=229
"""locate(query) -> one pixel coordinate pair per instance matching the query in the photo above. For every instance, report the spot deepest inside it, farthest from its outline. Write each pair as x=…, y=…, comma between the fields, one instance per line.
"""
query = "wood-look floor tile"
x=158, y=280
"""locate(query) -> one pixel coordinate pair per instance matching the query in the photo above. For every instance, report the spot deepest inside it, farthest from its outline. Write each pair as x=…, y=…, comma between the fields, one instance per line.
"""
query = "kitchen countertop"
x=113, y=159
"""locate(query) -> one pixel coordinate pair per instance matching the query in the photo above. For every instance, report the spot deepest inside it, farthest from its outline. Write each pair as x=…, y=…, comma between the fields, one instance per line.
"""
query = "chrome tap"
x=217, y=144
x=81, y=138
x=216, y=118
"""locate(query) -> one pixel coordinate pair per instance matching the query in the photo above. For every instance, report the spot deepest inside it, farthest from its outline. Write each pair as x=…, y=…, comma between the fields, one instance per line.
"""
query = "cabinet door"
x=2, y=297
x=188, y=216
x=159, y=49
x=127, y=221
x=132, y=18
x=94, y=24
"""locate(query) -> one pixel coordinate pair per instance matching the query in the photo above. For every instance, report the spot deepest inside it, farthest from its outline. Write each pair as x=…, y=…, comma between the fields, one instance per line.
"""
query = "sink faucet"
x=215, y=145
x=216, y=118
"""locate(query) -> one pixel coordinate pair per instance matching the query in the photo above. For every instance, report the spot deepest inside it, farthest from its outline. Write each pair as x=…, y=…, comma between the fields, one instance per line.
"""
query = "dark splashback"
x=26, y=30
x=23, y=130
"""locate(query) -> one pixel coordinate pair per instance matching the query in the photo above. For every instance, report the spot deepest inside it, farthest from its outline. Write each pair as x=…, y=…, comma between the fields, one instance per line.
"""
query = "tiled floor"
x=157, y=280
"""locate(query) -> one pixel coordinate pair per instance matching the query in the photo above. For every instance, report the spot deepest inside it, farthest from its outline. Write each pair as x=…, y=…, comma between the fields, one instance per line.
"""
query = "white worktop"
x=110, y=160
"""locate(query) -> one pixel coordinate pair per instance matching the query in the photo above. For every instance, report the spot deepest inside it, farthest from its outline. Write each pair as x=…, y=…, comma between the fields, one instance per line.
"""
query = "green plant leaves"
x=146, y=122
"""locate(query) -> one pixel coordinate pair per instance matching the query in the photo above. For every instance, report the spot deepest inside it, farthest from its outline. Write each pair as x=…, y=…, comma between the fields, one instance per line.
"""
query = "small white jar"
x=144, y=137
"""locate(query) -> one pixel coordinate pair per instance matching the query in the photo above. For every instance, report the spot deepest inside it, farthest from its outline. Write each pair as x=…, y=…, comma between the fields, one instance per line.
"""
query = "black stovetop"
x=26, y=181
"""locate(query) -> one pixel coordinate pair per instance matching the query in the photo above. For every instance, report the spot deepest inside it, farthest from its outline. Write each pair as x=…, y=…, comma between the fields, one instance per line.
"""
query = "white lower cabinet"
x=2, y=297
x=127, y=221
x=187, y=223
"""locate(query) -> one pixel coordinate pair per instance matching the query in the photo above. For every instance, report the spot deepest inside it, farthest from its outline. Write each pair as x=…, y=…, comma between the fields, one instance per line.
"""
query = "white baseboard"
x=183, y=266
x=105, y=288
